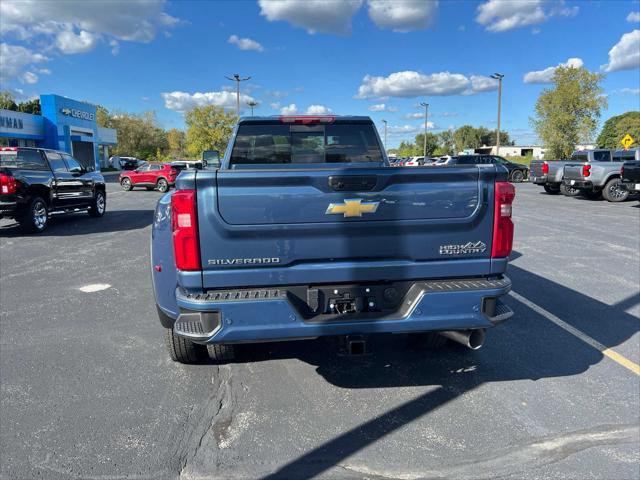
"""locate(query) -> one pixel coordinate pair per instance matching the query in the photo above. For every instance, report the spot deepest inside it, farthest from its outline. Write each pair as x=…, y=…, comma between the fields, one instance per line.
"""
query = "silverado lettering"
x=360, y=248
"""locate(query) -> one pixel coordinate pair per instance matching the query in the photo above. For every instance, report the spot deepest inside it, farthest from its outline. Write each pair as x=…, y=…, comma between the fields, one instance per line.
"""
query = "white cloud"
x=633, y=17
x=382, y=107
x=546, y=75
x=29, y=77
x=14, y=59
x=275, y=105
x=115, y=47
x=313, y=15
x=318, y=110
x=413, y=84
x=76, y=27
x=403, y=15
x=291, y=109
x=276, y=93
x=183, y=101
x=625, y=55
x=628, y=91
x=70, y=43
x=502, y=15
x=449, y=114
x=245, y=43
x=414, y=115
x=402, y=129
x=480, y=83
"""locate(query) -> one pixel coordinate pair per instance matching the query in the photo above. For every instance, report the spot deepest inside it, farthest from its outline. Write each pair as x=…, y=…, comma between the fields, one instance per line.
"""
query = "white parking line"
x=613, y=355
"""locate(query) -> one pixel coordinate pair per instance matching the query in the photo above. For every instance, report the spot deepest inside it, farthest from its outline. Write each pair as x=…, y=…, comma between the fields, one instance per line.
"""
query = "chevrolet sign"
x=75, y=113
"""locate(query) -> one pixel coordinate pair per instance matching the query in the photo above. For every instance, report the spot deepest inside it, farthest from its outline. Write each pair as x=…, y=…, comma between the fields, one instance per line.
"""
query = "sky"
x=356, y=57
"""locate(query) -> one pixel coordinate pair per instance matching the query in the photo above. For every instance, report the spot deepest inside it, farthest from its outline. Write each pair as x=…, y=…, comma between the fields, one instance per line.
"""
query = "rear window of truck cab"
x=23, y=159
x=277, y=144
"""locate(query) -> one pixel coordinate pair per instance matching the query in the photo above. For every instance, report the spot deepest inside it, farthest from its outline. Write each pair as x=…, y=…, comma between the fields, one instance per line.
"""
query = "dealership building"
x=65, y=124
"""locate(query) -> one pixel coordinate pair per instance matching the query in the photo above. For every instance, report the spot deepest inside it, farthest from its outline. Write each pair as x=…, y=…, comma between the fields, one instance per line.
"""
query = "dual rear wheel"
x=183, y=350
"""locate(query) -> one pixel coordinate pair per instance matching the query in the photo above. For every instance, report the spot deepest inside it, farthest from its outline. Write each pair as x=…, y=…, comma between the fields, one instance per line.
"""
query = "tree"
x=467, y=137
x=176, y=142
x=617, y=127
x=446, y=142
x=103, y=117
x=138, y=135
x=568, y=113
x=208, y=128
x=432, y=143
x=30, y=106
x=7, y=100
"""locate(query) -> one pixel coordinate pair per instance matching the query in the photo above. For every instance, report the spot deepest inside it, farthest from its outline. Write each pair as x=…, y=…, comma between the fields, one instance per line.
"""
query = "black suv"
x=35, y=182
x=517, y=171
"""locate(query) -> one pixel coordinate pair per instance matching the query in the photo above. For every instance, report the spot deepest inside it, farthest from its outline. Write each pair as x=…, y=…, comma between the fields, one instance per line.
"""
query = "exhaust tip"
x=476, y=339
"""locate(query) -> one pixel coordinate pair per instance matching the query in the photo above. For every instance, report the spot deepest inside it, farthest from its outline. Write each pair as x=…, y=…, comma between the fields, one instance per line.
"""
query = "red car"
x=151, y=176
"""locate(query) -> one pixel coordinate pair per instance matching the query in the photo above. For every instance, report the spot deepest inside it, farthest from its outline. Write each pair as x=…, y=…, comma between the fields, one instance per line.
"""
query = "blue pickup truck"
x=304, y=231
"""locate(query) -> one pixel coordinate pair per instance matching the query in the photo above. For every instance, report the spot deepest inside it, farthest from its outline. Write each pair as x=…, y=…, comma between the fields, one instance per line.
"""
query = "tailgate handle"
x=352, y=183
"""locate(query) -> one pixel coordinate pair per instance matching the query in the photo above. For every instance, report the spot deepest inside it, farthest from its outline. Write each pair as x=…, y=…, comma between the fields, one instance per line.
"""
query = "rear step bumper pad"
x=235, y=316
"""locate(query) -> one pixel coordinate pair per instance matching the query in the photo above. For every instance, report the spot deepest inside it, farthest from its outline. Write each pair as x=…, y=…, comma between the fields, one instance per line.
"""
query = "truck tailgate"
x=344, y=224
x=573, y=171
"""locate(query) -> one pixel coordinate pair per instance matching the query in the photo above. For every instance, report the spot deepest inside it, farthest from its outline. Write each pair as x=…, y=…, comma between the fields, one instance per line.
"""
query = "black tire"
x=613, y=193
x=162, y=185
x=428, y=340
x=181, y=349
x=569, y=191
x=35, y=217
x=221, y=353
x=551, y=190
x=126, y=184
x=98, y=205
x=517, y=176
x=150, y=189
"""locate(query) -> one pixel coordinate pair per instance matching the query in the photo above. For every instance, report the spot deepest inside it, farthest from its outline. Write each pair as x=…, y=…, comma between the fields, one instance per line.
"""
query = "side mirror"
x=76, y=171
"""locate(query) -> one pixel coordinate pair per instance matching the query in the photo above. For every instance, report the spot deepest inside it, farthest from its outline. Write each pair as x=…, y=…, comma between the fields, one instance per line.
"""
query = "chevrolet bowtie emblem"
x=352, y=208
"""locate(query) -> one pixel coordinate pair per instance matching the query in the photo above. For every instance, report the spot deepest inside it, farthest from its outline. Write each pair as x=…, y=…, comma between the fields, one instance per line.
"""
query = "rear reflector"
x=184, y=223
x=502, y=244
x=586, y=170
x=545, y=168
x=8, y=184
x=307, y=119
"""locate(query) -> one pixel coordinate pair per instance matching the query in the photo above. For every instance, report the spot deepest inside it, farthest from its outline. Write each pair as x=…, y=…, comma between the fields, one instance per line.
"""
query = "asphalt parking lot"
x=88, y=391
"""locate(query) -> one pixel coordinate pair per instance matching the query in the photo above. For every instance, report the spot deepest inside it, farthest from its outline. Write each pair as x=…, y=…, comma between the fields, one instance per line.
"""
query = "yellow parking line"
x=615, y=356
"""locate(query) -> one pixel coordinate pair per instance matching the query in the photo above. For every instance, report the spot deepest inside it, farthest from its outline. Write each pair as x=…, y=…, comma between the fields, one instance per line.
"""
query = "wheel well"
x=611, y=177
x=41, y=191
x=162, y=178
x=101, y=187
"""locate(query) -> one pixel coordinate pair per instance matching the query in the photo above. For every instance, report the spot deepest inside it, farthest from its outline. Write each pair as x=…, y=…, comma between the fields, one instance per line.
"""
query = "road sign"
x=627, y=141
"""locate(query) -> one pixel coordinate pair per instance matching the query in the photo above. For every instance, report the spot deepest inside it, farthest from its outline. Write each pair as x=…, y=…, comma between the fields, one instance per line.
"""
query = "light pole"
x=426, y=119
x=498, y=76
x=385, y=134
x=252, y=103
x=236, y=78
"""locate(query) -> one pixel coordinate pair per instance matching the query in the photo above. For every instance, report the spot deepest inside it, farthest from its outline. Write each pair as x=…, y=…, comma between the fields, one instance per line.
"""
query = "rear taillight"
x=502, y=244
x=173, y=172
x=8, y=184
x=622, y=171
x=184, y=223
x=545, y=168
x=586, y=170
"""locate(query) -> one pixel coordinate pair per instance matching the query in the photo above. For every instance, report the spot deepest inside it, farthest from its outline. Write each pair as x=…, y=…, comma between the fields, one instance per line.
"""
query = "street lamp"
x=236, y=78
x=426, y=118
x=252, y=103
x=498, y=76
x=385, y=134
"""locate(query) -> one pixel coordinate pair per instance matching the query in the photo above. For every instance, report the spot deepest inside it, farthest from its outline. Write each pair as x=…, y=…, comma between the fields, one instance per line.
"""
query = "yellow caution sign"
x=627, y=141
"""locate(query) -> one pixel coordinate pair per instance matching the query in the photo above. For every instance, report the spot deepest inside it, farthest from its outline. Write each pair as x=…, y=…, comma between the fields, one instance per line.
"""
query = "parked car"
x=517, y=171
x=36, y=182
x=549, y=173
x=127, y=163
x=151, y=176
x=595, y=178
x=630, y=174
x=414, y=162
x=254, y=252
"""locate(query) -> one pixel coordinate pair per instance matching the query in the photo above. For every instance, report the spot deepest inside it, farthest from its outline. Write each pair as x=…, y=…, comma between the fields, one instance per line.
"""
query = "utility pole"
x=498, y=76
x=426, y=119
x=236, y=78
x=252, y=103
x=385, y=134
